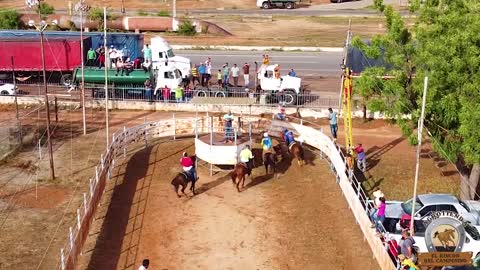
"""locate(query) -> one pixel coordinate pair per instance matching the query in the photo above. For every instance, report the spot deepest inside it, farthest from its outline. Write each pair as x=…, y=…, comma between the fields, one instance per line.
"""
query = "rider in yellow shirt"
x=246, y=157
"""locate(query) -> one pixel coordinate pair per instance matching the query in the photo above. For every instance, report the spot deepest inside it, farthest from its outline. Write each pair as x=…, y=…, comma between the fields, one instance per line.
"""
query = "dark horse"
x=270, y=159
x=238, y=174
x=296, y=151
x=182, y=179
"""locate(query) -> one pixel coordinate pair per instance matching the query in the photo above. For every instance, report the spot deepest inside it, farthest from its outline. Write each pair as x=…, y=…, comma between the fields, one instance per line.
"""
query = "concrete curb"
x=256, y=48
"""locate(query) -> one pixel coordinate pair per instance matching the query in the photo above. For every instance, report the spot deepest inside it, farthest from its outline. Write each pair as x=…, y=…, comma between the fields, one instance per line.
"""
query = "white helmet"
x=265, y=134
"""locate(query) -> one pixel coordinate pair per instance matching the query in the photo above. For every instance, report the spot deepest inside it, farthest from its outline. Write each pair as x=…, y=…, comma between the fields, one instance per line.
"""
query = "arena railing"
x=307, y=132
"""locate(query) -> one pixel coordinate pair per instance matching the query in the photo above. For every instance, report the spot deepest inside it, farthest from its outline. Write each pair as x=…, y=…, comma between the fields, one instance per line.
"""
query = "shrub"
x=163, y=13
x=9, y=19
x=142, y=13
x=45, y=9
x=186, y=28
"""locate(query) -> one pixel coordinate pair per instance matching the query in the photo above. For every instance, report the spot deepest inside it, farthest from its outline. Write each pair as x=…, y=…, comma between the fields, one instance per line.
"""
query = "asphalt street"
x=304, y=63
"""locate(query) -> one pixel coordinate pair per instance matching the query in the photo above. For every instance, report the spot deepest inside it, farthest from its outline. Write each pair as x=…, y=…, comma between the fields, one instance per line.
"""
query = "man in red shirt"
x=187, y=164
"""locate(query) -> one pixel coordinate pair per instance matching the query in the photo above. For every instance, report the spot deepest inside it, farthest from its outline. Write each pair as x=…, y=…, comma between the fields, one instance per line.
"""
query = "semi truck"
x=267, y=4
x=63, y=53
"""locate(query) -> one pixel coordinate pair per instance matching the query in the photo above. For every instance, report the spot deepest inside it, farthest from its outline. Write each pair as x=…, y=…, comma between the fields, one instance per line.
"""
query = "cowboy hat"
x=378, y=194
x=265, y=134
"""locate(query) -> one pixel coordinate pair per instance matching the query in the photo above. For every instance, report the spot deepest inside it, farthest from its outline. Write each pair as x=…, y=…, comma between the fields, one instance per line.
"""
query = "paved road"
x=305, y=64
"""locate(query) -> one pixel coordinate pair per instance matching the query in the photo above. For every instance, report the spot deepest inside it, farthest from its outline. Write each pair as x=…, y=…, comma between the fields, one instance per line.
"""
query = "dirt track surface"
x=299, y=220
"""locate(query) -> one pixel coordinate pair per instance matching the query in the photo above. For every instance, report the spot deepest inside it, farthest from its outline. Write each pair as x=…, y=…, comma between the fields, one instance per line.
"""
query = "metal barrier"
x=307, y=132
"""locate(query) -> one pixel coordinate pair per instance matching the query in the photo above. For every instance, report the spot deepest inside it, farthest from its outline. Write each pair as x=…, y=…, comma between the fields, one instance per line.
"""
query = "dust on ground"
x=299, y=220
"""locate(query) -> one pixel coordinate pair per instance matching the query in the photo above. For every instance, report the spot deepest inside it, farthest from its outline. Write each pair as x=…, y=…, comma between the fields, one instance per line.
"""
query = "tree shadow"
x=375, y=153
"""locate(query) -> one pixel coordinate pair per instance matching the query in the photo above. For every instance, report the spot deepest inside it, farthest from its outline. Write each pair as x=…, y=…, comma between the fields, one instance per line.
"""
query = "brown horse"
x=238, y=175
x=182, y=180
x=296, y=151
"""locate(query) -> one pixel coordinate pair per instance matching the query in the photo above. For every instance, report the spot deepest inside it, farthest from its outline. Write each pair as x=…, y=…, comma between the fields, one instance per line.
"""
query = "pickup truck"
x=267, y=4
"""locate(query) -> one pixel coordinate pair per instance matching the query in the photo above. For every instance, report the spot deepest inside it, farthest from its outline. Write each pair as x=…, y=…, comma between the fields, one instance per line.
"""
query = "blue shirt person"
x=292, y=73
x=332, y=117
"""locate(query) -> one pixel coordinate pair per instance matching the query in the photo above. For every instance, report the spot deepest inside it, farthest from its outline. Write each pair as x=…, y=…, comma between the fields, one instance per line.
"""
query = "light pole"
x=40, y=27
x=81, y=7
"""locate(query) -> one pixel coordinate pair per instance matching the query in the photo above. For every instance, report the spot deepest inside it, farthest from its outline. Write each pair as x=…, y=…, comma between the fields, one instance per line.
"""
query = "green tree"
x=45, y=9
x=9, y=19
x=443, y=44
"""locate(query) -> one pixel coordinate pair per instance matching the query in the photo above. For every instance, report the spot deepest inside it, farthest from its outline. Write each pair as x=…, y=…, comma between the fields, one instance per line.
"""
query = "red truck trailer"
x=62, y=56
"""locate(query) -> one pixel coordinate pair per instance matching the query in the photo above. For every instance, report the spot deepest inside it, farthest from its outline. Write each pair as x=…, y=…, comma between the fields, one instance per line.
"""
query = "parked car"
x=7, y=89
x=472, y=240
x=425, y=205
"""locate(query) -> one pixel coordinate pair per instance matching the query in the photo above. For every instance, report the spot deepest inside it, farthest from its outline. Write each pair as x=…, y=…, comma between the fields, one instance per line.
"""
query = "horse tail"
x=435, y=235
x=233, y=175
x=302, y=153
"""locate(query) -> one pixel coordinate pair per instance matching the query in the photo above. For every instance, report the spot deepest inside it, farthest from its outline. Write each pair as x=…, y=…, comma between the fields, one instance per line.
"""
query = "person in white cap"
x=267, y=144
x=376, y=203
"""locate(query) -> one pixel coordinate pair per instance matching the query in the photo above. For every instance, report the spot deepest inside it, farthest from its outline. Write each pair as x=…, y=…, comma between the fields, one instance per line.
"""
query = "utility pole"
x=19, y=126
x=80, y=7
x=344, y=64
x=106, y=73
x=419, y=147
x=174, y=13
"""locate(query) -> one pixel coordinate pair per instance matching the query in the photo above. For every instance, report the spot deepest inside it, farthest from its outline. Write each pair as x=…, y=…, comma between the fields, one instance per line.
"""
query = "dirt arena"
x=299, y=220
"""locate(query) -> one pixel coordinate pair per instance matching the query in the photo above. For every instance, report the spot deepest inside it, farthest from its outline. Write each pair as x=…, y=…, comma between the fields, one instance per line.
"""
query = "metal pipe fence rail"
x=212, y=95
x=307, y=132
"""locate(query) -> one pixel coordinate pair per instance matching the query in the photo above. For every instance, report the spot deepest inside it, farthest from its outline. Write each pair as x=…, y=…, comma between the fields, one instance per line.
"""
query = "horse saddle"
x=290, y=145
x=244, y=164
x=188, y=175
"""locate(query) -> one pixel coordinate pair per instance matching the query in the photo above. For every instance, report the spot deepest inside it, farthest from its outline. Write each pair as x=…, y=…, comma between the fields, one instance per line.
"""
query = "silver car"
x=425, y=205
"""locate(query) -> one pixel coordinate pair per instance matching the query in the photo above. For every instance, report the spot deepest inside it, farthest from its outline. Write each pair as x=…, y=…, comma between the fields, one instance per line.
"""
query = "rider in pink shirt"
x=187, y=164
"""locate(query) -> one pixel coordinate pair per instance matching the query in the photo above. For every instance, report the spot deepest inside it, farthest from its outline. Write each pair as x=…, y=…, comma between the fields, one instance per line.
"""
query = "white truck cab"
x=291, y=87
x=162, y=55
x=169, y=76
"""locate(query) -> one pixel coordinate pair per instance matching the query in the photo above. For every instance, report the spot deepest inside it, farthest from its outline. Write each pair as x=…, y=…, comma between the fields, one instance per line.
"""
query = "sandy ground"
x=28, y=223
x=297, y=221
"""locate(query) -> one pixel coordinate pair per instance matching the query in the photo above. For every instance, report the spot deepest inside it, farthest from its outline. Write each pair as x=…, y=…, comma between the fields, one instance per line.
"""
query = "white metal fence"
x=306, y=132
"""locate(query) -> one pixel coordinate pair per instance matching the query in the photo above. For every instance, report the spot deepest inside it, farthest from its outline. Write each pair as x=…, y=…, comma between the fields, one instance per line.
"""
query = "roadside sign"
x=445, y=258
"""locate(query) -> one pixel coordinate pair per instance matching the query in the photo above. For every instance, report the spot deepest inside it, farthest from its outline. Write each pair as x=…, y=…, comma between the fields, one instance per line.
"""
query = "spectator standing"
x=380, y=217
x=125, y=53
x=202, y=71
x=194, y=72
x=361, y=158
x=376, y=203
x=144, y=265
x=121, y=55
x=235, y=73
x=350, y=167
x=112, y=54
x=119, y=65
x=292, y=73
x=166, y=93
x=147, y=54
x=228, y=118
x=91, y=56
x=208, y=71
x=128, y=66
x=101, y=56
x=332, y=117
x=219, y=78
x=407, y=246
x=226, y=72
x=179, y=94
x=148, y=90
x=266, y=60
x=246, y=74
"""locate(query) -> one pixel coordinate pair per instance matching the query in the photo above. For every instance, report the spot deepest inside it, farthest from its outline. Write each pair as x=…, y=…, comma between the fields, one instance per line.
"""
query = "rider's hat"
x=265, y=134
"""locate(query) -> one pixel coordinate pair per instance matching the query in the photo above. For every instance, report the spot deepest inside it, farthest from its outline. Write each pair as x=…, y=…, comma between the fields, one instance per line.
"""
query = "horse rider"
x=246, y=157
x=267, y=144
x=187, y=164
x=288, y=136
